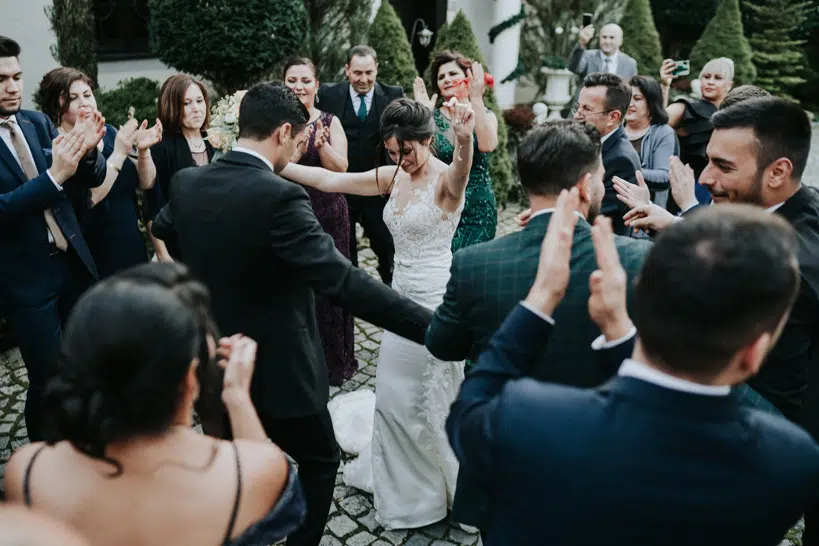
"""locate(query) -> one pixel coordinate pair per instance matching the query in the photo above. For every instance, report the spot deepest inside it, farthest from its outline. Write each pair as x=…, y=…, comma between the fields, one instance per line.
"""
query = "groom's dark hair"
x=267, y=106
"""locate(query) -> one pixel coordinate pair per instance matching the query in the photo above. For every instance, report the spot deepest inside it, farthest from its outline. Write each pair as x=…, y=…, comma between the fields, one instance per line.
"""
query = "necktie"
x=362, y=107
x=607, y=67
x=30, y=170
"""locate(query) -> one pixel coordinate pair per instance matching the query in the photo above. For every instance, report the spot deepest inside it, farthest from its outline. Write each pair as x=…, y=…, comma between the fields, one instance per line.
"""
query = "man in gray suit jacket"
x=608, y=58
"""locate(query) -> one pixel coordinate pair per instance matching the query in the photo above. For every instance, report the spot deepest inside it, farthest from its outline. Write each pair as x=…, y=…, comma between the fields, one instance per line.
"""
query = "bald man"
x=608, y=58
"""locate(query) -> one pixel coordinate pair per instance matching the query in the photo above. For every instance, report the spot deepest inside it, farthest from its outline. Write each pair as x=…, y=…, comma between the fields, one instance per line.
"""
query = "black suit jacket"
x=629, y=463
x=619, y=159
x=253, y=239
x=26, y=271
x=363, y=139
x=783, y=378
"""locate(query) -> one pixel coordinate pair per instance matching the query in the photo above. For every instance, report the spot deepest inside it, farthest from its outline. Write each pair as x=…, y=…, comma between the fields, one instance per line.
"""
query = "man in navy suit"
x=664, y=452
x=603, y=102
x=45, y=263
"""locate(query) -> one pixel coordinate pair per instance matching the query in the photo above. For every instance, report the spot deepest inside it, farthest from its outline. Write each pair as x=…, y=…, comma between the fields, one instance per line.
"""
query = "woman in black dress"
x=109, y=212
x=184, y=111
x=327, y=147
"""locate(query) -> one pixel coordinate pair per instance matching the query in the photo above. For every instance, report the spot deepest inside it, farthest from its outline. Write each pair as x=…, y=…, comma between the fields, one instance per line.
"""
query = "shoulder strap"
x=27, y=477
x=238, y=498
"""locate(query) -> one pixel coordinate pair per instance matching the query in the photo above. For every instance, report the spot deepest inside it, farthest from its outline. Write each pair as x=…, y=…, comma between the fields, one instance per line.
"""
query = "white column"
x=505, y=50
x=451, y=10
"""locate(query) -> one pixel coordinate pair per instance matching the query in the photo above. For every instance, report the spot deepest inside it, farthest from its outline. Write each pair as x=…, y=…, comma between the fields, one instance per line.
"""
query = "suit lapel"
x=33, y=143
x=6, y=155
x=615, y=136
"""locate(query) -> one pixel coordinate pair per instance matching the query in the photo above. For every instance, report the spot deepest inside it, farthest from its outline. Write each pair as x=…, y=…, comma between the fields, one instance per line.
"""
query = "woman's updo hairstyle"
x=126, y=349
x=408, y=121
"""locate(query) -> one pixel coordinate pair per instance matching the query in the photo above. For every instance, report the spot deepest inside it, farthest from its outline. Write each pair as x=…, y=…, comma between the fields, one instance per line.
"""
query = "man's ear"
x=583, y=187
x=285, y=132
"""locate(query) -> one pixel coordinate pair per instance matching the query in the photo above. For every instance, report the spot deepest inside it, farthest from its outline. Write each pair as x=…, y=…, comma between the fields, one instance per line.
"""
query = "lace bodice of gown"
x=422, y=233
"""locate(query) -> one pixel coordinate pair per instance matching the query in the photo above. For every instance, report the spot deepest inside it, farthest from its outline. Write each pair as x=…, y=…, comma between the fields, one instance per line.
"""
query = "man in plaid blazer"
x=488, y=280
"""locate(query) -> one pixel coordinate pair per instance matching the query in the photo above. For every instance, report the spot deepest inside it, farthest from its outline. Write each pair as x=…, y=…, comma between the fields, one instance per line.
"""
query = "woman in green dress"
x=456, y=76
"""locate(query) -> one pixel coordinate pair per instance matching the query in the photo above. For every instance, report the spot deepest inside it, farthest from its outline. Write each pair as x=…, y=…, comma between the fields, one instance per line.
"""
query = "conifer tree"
x=724, y=37
x=642, y=41
x=396, y=65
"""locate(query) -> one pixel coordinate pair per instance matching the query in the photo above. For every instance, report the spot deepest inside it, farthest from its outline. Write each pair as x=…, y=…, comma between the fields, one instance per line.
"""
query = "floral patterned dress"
x=479, y=219
x=334, y=323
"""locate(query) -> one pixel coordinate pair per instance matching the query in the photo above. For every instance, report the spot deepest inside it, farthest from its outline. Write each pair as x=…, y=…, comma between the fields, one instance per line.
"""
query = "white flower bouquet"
x=224, y=122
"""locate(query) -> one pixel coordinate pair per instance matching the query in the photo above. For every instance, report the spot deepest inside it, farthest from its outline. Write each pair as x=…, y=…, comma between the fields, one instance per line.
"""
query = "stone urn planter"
x=558, y=87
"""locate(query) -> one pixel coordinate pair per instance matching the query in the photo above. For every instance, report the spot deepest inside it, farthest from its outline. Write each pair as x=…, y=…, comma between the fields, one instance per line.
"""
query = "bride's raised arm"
x=463, y=124
x=374, y=182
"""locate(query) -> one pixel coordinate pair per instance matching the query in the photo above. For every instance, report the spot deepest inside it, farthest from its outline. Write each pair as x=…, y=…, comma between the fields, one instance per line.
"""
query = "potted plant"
x=558, y=84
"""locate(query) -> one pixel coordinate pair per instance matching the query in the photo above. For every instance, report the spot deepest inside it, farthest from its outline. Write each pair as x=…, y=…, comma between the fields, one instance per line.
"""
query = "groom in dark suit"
x=252, y=237
x=45, y=263
x=664, y=453
x=358, y=104
x=487, y=280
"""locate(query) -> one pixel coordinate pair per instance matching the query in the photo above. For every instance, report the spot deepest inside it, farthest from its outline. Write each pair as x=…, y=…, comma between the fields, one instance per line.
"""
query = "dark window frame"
x=121, y=28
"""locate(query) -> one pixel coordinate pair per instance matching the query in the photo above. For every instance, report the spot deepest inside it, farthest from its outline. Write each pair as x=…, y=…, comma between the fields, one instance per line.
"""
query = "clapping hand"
x=682, y=181
x=419, y=91
x=124, y=140
x=237, y=356
x=148, y=136
x=607, y=302
x=553, y=268
x=477, y=81
x=649, y=216
x=322, y=135
x=92, y=126
x=66, y=151
x=463, y=119
x=630, y=194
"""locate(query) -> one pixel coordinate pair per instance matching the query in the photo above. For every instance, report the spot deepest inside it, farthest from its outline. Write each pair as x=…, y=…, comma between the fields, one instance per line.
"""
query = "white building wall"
x=25, y=22
x=111, y=73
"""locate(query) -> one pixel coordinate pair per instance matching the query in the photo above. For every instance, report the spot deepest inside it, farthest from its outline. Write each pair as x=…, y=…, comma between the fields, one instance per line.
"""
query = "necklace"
x=196, y=144
x=634, y=135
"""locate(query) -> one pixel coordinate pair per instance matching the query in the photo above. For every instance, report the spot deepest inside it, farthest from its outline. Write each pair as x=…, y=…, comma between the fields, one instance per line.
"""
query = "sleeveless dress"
x=334, y=323
x=479, y=219
x=697, y=129
x=413, y=471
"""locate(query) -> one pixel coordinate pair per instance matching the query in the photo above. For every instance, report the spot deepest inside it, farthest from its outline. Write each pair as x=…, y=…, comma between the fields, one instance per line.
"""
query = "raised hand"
x=237, y=355
x=630, y=194
x=667, y=72
x=463, y=119
x=419, y=91
x=67, y=150
x=607, y=302
x=649, y=216
x=523, y=218
x=124, y=141
x=92, y=126
x=322, y=135
x=148, y=136
x=477, y=83
x=301, y=149
x=682, y=181
x=585, y=36
x=553, y=269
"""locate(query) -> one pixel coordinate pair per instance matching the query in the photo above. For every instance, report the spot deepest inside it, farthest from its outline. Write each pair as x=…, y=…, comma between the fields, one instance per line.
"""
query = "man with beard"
x=488, y=280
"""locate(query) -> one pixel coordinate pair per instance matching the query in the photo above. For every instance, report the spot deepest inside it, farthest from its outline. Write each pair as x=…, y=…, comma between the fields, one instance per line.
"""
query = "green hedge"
x=641, y=39
x=724, y=37
x=458, y=36
x=141, y=93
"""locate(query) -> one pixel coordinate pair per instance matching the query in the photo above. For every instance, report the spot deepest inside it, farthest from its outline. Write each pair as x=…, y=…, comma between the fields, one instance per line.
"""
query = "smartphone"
x=681, y=68
x=587, y=19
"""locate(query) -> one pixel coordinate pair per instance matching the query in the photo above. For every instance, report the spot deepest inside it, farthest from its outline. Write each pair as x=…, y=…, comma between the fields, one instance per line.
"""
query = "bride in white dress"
x=413, y=469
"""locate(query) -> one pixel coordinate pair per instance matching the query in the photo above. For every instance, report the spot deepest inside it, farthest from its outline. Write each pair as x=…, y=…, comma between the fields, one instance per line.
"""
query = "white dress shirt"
x=248, y=151
x=632, y=368
x=612, y=68
x=368, y=99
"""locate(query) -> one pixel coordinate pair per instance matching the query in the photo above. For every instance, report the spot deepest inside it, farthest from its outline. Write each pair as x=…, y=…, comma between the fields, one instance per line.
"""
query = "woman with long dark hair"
x=413, y=469
x=121, y=462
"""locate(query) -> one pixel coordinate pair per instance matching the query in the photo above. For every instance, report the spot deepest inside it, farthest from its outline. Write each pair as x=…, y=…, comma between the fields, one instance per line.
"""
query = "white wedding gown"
x=409, y=466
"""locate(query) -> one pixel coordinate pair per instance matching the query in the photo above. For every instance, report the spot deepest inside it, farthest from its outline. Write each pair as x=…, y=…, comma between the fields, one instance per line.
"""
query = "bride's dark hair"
x=408, y=121
x=125, y=352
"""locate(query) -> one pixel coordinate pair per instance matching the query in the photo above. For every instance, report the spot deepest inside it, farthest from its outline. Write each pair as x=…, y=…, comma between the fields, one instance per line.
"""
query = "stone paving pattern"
x=352, y=517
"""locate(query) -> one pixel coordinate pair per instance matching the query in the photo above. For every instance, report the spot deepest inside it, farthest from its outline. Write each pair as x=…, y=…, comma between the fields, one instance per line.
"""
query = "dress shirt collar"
x=614, y=58
x=254, y=154
x=606, y=136
x=638, y=370
x=368, y=97
x=773, y=208
x=545, y=211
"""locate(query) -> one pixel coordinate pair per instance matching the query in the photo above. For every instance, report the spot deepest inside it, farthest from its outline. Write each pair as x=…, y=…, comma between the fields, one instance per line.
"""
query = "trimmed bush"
x=458, y=36
x=641, y=39
x=724, y=37
x=141, y=93
x=680, y=24
x=396, y=65
x=232, y=43
x=777, y=55
x=73, y=23
x=335, y=26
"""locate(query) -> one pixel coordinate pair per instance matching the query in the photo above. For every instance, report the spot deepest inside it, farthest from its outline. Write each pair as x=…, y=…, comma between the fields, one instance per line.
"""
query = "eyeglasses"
x=575, y=109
